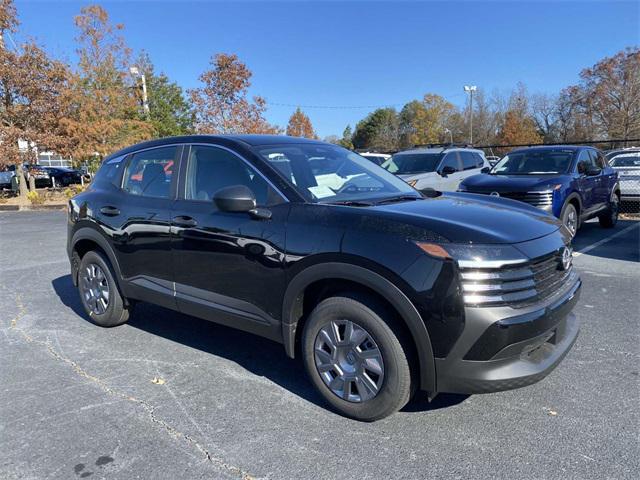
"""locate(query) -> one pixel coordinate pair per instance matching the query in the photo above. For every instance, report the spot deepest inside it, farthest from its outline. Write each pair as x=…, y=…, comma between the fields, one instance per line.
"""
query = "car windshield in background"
x=534, y=163
x=626, y=160
x=406, y=163
x=331, y=174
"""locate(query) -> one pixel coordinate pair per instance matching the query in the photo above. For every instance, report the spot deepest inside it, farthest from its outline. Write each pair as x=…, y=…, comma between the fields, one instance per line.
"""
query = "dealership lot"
x=80, y=401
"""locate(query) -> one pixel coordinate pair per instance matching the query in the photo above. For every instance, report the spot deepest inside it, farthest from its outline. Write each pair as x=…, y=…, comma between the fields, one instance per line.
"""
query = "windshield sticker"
x=321, y=191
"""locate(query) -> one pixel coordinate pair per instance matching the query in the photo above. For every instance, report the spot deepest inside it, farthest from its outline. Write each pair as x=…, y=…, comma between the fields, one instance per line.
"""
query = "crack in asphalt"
x=150, y=409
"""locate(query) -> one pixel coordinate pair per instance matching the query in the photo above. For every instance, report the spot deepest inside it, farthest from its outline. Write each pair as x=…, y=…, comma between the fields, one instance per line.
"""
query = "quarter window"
x=149, y=173
x=211, y=169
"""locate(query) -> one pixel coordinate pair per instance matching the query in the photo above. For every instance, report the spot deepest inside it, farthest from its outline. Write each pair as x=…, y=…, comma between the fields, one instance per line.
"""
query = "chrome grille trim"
x=515, y=285
x=537, y=198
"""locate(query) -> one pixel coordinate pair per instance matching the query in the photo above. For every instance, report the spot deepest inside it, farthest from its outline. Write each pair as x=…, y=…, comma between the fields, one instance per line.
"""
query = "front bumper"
x=506, y=348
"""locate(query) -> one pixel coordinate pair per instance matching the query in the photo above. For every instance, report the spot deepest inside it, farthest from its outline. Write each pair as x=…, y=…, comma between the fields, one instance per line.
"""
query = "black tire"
x=395, y=348
x=572, y=225
x=609, y=219
x=115, y=313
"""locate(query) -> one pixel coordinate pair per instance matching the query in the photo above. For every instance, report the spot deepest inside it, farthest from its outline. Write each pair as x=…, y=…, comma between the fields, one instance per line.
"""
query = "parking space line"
x=605, y=240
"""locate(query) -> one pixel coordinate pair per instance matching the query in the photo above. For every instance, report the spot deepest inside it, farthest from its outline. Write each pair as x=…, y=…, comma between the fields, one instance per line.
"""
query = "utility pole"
x=145, y=101
x=470, y=89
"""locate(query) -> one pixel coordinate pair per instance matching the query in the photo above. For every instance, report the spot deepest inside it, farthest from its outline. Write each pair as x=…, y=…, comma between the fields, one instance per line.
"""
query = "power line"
x=346, y=107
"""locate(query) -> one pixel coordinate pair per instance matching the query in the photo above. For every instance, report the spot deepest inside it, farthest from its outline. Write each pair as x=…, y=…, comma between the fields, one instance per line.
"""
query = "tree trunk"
x=32, y=184
x=22, y=184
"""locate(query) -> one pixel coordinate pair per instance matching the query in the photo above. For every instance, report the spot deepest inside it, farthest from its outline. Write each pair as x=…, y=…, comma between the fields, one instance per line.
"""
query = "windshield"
x=332, y=174
x=403, y=163
x=626, y=160
x=534, y=162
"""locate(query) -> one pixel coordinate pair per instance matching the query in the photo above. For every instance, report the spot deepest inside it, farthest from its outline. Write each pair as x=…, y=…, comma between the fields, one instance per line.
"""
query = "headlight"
x=475, y=256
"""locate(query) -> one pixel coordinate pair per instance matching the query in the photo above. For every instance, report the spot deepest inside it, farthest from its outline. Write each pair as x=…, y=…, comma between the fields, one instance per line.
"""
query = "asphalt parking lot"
x=79, y=401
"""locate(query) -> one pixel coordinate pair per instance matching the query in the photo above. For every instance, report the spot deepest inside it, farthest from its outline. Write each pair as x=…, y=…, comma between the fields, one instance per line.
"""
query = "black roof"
x=247, y=140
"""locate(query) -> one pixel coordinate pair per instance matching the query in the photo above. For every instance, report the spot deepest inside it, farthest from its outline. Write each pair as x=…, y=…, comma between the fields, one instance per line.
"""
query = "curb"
x=32, y=208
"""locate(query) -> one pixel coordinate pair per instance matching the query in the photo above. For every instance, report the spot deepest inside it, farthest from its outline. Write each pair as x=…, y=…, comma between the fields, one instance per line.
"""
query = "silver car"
x=441, y=168
x=627, y=163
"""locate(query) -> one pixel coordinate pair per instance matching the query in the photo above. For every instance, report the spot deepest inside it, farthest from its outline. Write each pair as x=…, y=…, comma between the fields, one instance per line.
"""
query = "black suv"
x=381, y=290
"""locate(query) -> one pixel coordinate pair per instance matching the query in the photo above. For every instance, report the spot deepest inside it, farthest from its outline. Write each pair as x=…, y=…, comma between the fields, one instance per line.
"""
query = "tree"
x=378, y=131
x=518, y=129
x=609, y=94
x=424, y=122
x=300, y=125
x=347, y=138
x=544, y=109
x=170, y=112
x=221, y=105
x=32, y=91
x=105, y=115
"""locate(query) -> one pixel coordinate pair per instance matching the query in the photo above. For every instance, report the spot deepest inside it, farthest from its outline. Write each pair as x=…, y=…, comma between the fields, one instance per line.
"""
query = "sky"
x=359, y=54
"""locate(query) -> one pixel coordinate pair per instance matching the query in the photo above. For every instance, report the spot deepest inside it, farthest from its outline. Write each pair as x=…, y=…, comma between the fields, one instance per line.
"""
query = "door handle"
x=110, y=211
x=184, y=221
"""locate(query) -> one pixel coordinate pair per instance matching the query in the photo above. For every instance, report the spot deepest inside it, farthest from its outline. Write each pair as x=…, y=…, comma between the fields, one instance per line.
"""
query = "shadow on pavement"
x=624, y=247
x=257, y=355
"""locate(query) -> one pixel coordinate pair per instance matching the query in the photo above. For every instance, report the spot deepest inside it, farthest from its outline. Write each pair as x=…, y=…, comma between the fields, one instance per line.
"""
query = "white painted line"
x=605, y=240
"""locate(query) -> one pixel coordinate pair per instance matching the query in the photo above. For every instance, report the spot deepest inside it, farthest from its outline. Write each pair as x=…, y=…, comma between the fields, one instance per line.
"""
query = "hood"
x=512, y=183
x=468, y=218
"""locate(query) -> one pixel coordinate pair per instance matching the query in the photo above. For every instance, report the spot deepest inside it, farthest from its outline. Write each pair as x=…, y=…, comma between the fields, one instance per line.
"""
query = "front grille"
x=540, y=199
x=516, y=285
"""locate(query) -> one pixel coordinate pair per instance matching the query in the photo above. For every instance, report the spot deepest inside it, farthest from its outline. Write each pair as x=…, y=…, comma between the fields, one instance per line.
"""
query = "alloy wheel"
x=95, y=288
x=571, y=220
x=349, y=361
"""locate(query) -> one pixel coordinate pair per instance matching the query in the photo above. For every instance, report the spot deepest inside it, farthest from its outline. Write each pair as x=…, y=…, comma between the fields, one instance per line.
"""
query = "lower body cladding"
x=502, y=348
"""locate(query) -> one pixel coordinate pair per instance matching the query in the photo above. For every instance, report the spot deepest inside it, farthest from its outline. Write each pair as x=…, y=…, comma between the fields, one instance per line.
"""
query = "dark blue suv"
x=571, y=182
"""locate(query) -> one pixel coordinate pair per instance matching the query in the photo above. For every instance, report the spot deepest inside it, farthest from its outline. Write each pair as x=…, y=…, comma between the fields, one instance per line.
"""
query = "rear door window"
x=149, y=173
x=469, y=160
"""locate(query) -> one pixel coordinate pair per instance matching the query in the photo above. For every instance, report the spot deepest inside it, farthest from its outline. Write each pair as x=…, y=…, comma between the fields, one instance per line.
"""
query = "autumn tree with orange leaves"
x=32, y=106
x=300, y=125
x=105, y=112
x=221, y=104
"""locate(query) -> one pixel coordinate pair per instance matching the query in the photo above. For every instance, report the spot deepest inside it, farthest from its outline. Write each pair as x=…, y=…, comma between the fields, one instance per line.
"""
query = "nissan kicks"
x=381, y=290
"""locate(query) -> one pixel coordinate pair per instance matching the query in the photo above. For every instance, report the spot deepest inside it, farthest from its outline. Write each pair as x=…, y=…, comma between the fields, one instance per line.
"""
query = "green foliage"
x=378, y=131
x=347, y=138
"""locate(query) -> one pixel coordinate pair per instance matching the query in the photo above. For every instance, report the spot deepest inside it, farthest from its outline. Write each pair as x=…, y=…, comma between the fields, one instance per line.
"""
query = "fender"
x=380, y=285
x=89, y=233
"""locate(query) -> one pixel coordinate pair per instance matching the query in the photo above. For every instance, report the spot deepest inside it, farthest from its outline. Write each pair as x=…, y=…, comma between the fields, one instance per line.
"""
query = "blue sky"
x=360, y=53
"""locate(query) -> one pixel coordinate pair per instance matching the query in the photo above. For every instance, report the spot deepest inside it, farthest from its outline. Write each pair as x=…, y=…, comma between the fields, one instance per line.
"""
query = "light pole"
x=135, y=72
x=470, y=89
x=446, y=130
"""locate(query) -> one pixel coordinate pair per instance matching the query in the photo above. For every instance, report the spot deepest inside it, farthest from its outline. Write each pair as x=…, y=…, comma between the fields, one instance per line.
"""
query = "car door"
x=472, y=163
x=138, y=218
x=604, y=181
x=450, y=182
x=587, y=184
x=228, y=266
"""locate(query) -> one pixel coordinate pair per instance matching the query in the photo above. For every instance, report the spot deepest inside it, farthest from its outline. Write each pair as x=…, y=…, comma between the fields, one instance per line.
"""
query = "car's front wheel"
x=569, y=218
x=99, y=293
x=357, y=356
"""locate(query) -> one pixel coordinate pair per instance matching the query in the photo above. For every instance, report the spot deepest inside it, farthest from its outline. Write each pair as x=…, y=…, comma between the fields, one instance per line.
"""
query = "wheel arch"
x=85, y=240
x=293, y=309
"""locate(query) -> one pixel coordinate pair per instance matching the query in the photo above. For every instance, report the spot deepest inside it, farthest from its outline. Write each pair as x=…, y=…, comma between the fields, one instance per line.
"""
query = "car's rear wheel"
x=609, y=219
x=569, y=218
x=357, y=357
x=99, y=293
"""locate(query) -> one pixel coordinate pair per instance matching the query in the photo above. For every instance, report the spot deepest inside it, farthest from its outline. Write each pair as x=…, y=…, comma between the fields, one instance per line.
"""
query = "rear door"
x=139, y=217
x=472, y=163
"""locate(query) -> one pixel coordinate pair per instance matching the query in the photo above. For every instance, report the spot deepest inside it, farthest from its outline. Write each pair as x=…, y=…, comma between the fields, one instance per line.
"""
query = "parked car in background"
x=381, y=290
x=627, y=163
x=573, y=183
x=440, y=168
x=39, y=174
x=5, y=180
x=63, y=177
x=377, y=158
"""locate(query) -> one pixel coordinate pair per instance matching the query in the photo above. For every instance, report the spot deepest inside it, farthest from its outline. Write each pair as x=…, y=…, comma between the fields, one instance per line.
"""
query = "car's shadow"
x=257, y=355
x=594, y=241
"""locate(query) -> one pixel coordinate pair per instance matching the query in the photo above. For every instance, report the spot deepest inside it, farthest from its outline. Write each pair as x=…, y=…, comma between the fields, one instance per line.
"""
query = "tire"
x=609, y=219
x=95, y=276
x=393, y=380
x=570, y=218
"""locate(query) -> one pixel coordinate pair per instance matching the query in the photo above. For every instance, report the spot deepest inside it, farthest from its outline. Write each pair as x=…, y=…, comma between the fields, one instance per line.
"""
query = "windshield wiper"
x=352, y=203
x=399, y=198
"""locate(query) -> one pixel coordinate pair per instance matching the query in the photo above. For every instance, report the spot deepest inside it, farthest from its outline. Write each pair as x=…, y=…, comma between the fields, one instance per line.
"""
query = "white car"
x=377, y=158
x=441, y=169
x=627, y=163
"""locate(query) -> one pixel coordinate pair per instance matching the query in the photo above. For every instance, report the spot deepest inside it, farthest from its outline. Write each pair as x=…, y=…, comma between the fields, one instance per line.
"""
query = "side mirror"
x=236, y=198
x=593, y=171
x=485, y=170
x=447, y=170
